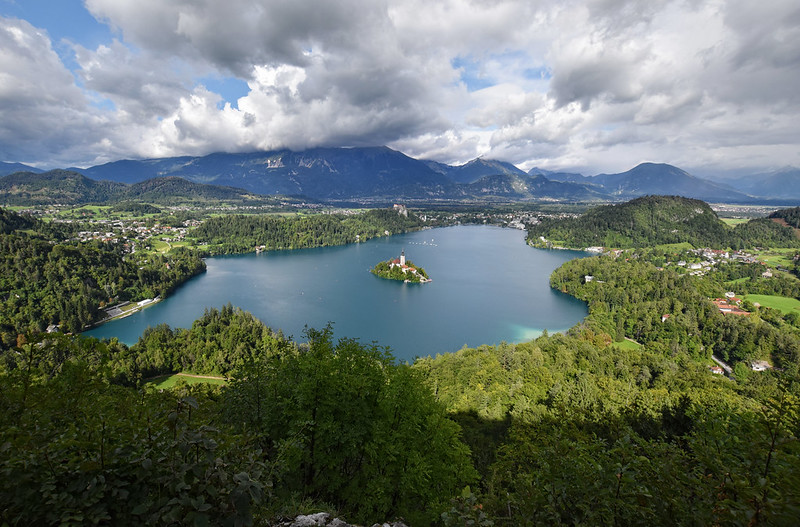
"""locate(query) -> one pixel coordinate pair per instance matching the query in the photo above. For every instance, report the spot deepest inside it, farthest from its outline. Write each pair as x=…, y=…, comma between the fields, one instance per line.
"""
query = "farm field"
x=781, y=303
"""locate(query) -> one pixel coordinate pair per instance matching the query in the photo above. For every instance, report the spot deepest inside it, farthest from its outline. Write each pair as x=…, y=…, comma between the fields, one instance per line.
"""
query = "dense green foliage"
x=11, y=221
x=658, y=220
x=217, y=343
x=790, y=216
x=354, y=429
x=77, y=450
x=240, y=234
x=762, y=232
x=567, y=430
x=334, y=423
x=629, y=297
x=47, y=279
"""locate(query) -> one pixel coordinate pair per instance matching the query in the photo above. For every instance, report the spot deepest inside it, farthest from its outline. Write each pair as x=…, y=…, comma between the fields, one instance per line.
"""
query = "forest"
x=332, y=424
x=46, y=278
x=658, y=220
x=241, y=234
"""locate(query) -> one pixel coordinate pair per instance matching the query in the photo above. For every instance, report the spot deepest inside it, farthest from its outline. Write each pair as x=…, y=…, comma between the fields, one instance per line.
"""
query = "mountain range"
x=380, y=174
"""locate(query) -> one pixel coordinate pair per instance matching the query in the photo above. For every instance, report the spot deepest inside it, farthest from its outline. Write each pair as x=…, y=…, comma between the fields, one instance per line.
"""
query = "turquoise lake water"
x=488, y=286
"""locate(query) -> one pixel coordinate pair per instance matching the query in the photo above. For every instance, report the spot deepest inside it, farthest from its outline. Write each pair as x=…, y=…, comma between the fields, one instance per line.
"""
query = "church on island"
x=400, y=269
x=400, y=262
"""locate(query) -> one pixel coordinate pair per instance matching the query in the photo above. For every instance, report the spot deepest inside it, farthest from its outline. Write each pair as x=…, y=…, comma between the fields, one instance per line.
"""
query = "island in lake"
x=401, y=269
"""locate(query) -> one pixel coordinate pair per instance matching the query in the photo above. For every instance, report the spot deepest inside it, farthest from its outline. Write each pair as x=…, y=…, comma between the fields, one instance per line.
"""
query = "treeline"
x=629, y=297
x=46, y=279
x=659, y=220
x=327, y=424
x=241, y=234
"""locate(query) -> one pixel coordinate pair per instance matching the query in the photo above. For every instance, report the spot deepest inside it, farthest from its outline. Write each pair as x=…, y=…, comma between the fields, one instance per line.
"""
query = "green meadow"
x=781, y=303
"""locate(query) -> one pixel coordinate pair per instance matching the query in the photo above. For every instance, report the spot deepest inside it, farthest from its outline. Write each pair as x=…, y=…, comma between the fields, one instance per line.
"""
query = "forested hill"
x=657, y=220
x=55, y=186
x=790, y=216
x=72, y=188
x=240, y=234
x=11, y=221
x=47, y=279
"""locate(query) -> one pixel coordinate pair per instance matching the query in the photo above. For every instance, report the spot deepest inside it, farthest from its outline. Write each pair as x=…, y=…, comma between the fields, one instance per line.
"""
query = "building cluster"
x=705, y=259
x=401, y=264
x=730, y=305
x=130, y=233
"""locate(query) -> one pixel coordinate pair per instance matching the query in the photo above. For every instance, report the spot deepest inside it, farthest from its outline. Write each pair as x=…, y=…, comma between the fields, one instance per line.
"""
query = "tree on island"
x=401, y=269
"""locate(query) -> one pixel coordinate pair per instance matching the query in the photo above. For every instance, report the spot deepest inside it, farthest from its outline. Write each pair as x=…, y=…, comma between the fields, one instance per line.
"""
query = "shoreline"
x=125, y=314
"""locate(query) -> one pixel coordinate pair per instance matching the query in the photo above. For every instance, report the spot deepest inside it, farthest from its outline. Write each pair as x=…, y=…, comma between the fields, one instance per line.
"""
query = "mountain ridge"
x=381, y=174
x=68, y=187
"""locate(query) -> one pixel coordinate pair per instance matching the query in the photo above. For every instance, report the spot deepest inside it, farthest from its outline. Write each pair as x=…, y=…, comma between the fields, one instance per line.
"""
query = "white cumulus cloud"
x=591, y=85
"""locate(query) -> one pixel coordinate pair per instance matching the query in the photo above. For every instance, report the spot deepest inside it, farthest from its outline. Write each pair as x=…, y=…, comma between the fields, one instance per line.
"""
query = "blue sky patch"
x=471, y=75
x=63, y=19
x=230, y=88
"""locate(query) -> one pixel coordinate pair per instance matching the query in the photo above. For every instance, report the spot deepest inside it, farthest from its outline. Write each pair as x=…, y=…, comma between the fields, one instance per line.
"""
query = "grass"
x=158, y=245
x=675, y=247
x=739, y=280
x=628, y=345
x=734, y=221
x=777, y=257
x=164, y=382
x=95, y=209
x=782, y=303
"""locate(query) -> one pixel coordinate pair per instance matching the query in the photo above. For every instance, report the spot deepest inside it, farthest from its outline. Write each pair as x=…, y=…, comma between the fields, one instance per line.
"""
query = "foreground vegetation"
x=333, y=424
x=564, y=429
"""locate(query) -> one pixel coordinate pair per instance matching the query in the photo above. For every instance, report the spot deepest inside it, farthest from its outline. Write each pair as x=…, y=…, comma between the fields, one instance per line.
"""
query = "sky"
x=591, y=86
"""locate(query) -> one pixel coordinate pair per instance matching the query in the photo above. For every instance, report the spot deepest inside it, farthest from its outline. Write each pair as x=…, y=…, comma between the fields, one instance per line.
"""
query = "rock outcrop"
x=323, y=519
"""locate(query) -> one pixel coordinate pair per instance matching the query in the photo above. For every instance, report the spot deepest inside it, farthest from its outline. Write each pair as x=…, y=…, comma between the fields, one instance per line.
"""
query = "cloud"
x=597, y=85
x=142, y=85
x=42, y=109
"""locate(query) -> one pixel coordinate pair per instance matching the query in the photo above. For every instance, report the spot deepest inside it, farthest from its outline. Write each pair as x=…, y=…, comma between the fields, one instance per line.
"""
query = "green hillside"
x=658, y=220
x=63, y=187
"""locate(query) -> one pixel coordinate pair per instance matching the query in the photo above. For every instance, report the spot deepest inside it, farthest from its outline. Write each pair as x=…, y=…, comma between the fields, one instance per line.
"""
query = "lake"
x=488, y=286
